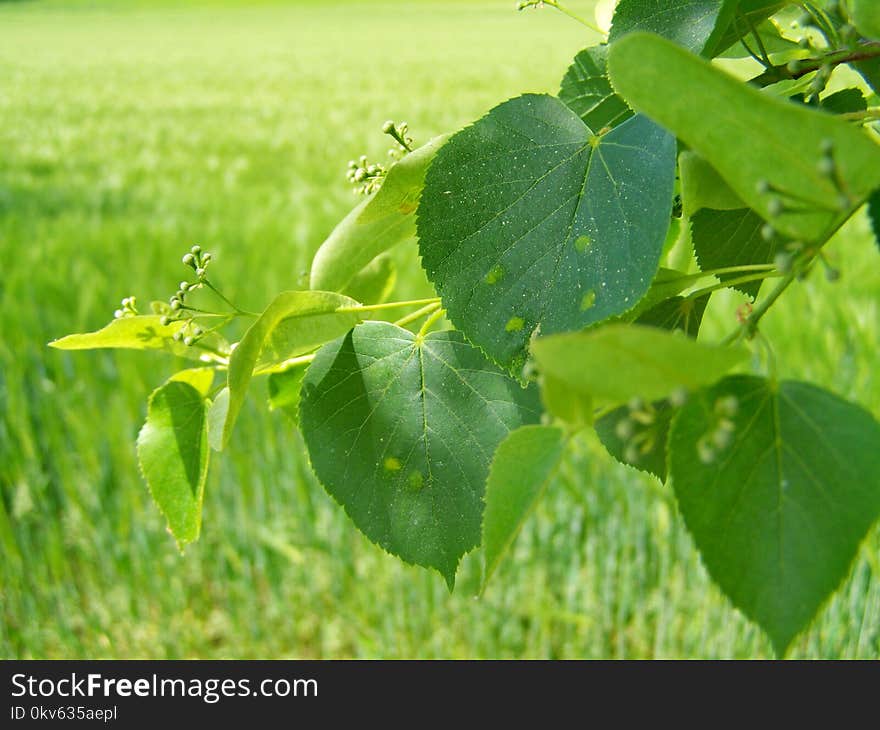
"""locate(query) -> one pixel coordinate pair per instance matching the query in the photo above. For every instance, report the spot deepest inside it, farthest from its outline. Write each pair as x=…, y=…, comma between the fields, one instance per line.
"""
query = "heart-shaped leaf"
x=401, y=430
x=778, y=483
x=588, y=93
x=529, y=220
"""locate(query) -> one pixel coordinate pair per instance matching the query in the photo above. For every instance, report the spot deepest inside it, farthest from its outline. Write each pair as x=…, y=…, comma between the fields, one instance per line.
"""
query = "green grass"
x=129, y=131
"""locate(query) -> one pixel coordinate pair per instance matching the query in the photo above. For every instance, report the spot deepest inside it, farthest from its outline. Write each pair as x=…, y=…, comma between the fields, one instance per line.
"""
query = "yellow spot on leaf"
x=582, y=243
x=514, y=324
x=494, y=275
x=415, y=480
x=392, y=464
x=588, y=300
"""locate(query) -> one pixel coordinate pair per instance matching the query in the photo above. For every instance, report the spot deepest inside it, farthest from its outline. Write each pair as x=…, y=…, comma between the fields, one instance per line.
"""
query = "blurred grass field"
x=129, y=131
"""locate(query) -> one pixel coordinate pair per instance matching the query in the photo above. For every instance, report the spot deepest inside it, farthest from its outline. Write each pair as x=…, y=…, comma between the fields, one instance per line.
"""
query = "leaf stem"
x=723, y=270
x=427, y=309
x=774, y=74
x=389, y=305
x=732, y=282
x=751, y=322
x=562, y=9
x=238, y=311
x=423, y=330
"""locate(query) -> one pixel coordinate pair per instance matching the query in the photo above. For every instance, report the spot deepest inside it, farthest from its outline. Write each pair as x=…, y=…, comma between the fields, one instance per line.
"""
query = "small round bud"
x=188, y=341
x=165, y=320
x=624, y=429
x=189, y=260
x=722, y=439
x=826, y=146
x=118, y=314
x=762, y=187
x=196, y=250
x=678, y=397
x=728, y=405
x=725, y=424
x=200, y=272
x=774, y=207
x=783, y=261
x=705, y=452
x=196, y=330
x=184, y=286
x=360, y=174
x=363, y=161
x=175, y=304
x=825, y=166
x=388, y=127
x=177, y=336
x=631, y=454
x=352, y=164
x=206, y=259
x=635, y=404
x=768, y=232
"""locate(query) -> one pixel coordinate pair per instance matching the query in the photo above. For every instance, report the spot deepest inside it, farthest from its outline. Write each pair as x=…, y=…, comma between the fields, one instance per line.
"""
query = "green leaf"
x=772, y=39
x=573, y=408
x=676, y=313
x=845, y=101
x=294, y=323
x=172, y=450
x=401, y=430
x=638, y=441
x=724, y=238
x=217, y=413
x=374, y=283
x=523, y=466
x=285, y=388
x=529, y=220
x=874, y=214
x=375, y=225
x=199, y=378
x=141, y=332
x=778, y=484
x=869, y=70
x=718, y=117
x=588, y=93
x=703, y=187
x=866, y=16
x=736, y=21
x=617, y=362
x=689, y=23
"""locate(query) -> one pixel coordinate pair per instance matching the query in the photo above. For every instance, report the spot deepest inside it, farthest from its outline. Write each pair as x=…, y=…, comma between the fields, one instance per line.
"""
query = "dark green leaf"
x=523, y=466
x=529, y=220
x=874, y=214
x=638, y=437
x=689, y=23
x=724, y=238
x=778, y=483
x=378, y=223
x=676, y=313
x=172, y=450
x=718, y=117
x=587, y=91
x=736, y=22
x=845, y=101
x=401, y=431
x=869, y=70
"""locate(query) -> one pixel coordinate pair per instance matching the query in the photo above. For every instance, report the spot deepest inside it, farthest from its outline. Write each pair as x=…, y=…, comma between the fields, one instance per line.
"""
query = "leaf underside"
x=779, y=506
x=528, y=220
x=401, y=431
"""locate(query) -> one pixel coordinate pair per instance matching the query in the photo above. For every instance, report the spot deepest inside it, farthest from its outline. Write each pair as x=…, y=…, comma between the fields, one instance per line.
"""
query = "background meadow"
x=130, y=131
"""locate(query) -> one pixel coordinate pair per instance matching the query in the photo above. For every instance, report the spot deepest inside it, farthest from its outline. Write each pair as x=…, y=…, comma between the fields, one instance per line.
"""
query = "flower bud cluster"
x=366, y=177
x=128, y=308
x=721, y=431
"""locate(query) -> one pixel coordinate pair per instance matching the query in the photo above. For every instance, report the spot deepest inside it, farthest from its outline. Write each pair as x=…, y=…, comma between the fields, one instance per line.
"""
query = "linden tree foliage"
x=573, y=242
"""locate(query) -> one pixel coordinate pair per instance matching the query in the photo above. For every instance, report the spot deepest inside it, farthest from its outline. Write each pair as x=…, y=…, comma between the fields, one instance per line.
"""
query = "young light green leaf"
x=638, y=437
x=588, y=93
x=172, y=450
x=294, y=323
x=529, y=220
x=401, y=430
x=718, y=116
x=866, y=16
x=141, y=332
x=703, y=187
x=217, y=412
x=778, y=484
x=374, y=283
x=378, y=223
x=696, y=25
x=731, y=238
x=199, y=378
x=618, y=362
x=736, y=21
x=285, y=388
x=569, y=406
x=521, y=470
